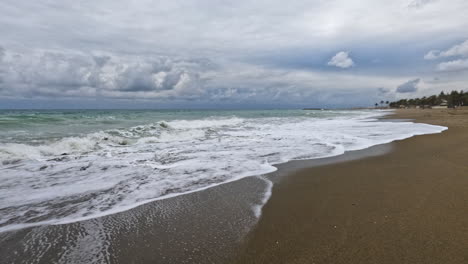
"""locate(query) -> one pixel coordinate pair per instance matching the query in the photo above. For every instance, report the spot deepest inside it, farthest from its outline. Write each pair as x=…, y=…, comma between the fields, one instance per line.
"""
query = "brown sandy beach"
x=408, y=206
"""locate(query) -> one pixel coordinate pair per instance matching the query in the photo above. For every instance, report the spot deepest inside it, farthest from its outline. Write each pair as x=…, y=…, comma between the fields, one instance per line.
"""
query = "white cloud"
x=214, y=27
x=432, y=55
x=168, y=49
x=419, y=3
x=61, y=74
x=455, y=65
x=54, y=74
x=341, y=60
x=457, y=50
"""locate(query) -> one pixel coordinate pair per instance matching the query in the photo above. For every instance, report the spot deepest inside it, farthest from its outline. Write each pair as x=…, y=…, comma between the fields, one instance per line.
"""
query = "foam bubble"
x=78, y=178
x=257, y=208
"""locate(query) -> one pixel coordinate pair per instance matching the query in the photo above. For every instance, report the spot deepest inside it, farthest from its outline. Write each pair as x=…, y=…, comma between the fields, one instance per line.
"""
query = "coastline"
x=199, y=227
x=216, y=225
x=208, y=226
x=407, y=206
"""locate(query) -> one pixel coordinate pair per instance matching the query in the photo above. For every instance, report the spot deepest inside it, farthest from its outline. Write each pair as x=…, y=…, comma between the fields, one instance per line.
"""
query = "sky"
x=229, y=54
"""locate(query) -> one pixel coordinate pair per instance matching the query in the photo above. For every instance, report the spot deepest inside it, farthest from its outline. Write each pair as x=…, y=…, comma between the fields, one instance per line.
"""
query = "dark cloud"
x=409, y=86
x=383, y=91
x=77, y=74
x=101, y=60
x=147, y=78
x=110, y=49
x=2, y=53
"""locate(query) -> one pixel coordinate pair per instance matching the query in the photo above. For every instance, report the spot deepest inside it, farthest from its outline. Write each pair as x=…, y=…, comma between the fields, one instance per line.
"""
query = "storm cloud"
x=409, y=86
x=242, y=53
x=50, y=73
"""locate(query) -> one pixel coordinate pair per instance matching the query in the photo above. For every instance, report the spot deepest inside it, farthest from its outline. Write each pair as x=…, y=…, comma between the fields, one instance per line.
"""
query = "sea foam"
x=77, y=178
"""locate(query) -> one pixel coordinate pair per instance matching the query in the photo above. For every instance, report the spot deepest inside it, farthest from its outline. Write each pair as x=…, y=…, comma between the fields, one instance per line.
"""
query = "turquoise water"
x=39, y=126
x=64, y=166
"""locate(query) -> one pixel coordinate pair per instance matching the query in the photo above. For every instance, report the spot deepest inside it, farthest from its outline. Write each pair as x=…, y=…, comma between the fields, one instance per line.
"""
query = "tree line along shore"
x=443, y=100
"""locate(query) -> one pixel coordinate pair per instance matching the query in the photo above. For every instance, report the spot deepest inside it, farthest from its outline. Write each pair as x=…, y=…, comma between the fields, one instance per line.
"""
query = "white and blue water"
x=66, y=166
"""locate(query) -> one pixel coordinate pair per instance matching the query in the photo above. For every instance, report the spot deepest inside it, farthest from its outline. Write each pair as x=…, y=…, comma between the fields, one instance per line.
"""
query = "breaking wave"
x=77, y=178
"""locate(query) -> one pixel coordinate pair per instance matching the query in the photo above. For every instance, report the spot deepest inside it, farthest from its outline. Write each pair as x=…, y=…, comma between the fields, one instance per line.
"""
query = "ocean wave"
x=101, y=173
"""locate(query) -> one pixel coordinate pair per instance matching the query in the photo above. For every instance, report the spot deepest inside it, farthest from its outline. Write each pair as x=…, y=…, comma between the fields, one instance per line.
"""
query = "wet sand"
x=404, y=202
x=200, y=227
x=407, y=206
x=208, y=226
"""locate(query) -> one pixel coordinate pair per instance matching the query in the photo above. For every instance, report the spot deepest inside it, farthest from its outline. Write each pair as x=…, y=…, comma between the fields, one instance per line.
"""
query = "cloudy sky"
x=229, y=54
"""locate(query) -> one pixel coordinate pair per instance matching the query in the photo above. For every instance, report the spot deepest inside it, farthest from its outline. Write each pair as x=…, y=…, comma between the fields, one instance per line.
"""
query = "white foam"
x=257, y=208
x=206, y=123
x=112, y=171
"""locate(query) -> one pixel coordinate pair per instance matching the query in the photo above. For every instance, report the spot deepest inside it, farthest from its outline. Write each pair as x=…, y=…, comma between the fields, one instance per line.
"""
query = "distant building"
x=443, y=104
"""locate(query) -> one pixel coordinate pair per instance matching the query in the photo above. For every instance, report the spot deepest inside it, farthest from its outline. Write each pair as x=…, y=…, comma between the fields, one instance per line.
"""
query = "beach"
x=240, y=132
x=407, y=206
x=402, y=202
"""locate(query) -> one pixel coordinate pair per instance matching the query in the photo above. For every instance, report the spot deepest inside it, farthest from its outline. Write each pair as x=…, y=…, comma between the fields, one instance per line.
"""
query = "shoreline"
x=407, y=206
x=285, y=166
x=179, y=229
x=187, y=230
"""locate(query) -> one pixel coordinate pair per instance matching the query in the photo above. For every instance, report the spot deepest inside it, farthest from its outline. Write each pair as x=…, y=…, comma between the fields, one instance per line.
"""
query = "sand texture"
x=408, y=206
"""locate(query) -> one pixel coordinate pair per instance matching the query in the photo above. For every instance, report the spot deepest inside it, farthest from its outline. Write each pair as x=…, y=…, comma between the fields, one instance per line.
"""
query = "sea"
x=63, y=166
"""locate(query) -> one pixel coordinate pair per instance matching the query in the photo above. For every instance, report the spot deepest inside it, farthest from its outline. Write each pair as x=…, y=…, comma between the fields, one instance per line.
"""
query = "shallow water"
x=65, y=166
